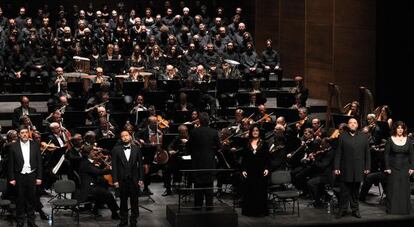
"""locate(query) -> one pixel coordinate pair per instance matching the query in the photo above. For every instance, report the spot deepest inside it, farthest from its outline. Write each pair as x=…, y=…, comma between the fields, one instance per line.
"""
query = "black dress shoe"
x=167, y=192
x=356, y=214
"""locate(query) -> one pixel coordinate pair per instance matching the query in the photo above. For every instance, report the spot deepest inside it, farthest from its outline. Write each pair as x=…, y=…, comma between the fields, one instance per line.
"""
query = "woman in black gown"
x=255, y=171
x=399, y=164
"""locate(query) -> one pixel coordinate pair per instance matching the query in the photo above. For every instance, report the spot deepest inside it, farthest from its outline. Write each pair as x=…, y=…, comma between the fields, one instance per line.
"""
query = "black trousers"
x=199, y=195
x=316, y=187
x=128, y=189
x=103, y=196
x=349, y=193
x=26, y=197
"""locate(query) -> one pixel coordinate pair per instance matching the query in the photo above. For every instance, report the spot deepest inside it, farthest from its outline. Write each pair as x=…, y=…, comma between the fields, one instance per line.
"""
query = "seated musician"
x=226, y=71
x=304, y=121
x=58, y=79
x=103, y=113
x=320, y=131
x=200, y=75
x=300, y=91
x=99, y=76
x=236, y=125
x=139, y=104
x=376, y=141
x=207, y=101
x=57, y=136
x=90, y=184
x=171, y=73
x=134, y=75
x=63, y=91
x=149, y=137
x=176, y=149
x=383, y=113
x=106, y=130
x=297, y=159
x=23, y=109
x=278, y=149
x=63, y=104
x=183, y=104
x=74, y=154
x=25, y=120
x=352, y=109
x=322, y=164
x=261, y=115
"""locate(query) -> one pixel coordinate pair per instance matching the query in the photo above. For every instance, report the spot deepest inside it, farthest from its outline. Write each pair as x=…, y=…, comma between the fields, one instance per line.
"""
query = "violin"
x=162, y=123
x=196, y=123
x=266, y=118
x=104, y=160
x=47, y=146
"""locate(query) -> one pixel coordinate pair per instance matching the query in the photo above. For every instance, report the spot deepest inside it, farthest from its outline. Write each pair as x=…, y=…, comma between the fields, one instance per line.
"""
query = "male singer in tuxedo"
x=127, y=175
x=25, y=172
x=202, y=144
x=352, y=161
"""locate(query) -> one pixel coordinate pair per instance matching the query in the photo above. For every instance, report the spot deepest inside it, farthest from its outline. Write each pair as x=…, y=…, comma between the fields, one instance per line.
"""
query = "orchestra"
x=112, y=141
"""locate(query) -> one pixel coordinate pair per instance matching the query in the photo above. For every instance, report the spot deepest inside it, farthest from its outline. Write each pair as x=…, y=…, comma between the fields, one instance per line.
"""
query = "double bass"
x=161, y=156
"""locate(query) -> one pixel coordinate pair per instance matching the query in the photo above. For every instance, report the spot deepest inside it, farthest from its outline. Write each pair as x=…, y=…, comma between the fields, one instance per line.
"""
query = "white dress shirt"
x=26, y=157
x=127, y=152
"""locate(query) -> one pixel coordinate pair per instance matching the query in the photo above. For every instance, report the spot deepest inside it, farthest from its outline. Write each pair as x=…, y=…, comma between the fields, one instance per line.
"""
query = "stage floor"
x=372, y=213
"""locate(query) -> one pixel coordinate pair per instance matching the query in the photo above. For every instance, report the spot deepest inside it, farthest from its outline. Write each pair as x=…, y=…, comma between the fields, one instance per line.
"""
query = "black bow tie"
x=127, y=147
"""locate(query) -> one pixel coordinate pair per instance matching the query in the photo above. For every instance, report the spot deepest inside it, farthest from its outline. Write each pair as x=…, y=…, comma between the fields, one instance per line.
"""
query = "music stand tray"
x=340, y=118
x=285, y=99
x=132, y=88
x=114, y=66
x=228, y=86
x=169, y=85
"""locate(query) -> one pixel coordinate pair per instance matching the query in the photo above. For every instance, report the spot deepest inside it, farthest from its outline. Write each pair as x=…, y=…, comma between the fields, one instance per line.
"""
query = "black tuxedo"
x=18, y=112
x=127, y=174
x=25, y=183
x=202, y=145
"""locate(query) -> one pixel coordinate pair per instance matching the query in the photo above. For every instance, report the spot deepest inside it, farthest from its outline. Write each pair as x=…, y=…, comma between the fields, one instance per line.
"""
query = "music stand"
x=83, y=129
x=37, y=120
x=193, y=96
x=120, y=118
x=74, y=118
x=285, y=99
x=75, y=87
x=181, y=116
x=78, y=104
x=340, y=118
x=291, y=115
x=227, y=86
x=132, y=88
x=107, y=143
x=137, y=117
x=169, y=85
x=114, y=66
x=156, y=98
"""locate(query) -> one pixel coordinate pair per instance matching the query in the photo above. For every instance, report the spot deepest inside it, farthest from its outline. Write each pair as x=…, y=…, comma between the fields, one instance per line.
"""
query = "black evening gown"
x=399, y=159
x=255, y=187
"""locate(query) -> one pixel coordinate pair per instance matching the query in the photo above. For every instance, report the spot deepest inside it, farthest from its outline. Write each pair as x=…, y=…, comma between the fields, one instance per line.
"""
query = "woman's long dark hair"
x=396, y=125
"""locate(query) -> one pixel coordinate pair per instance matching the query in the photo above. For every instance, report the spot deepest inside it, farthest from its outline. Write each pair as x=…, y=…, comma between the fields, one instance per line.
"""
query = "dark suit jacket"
x=17, y=113
x=203, y=144
x=16, y=161
x=352, y=156
x=123, y=169
x=88, y=174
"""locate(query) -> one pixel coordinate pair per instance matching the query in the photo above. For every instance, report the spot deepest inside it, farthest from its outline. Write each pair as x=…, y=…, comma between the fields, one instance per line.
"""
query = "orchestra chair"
x=62, y=188
x=4, y=203
x=280, y=189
